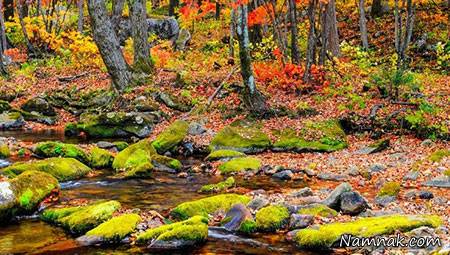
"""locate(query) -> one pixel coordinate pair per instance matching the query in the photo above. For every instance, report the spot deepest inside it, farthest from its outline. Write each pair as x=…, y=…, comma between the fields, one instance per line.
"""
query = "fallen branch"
x=72, y=78
x=211, y=98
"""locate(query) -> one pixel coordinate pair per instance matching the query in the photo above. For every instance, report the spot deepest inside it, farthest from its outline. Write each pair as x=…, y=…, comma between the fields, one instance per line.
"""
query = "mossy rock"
x=100, y=158
x=326, y=136
x=4, y=106
x=167, y=164
x=58, y=149
x=11, y=120
x=239, y=138
x=23, y=194
x=116, y=229
x=318, y=210
x=224, y=154
x=63, y=169
x=248, y=227
x=39, y=105
x=171, y=136
x=81, y=219
x=4, y=150
x=218, y=187
x=184, y=233
x=438, y=155
x=120, y=145
x=390, y=189
x=325, y=236
x=272, y=218
x=207, y=206
x=239, y=165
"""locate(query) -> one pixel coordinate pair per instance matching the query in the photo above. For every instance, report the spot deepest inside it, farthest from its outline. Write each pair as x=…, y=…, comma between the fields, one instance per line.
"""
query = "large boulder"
x=58, y=149
x=325, y=136
x=236, y=216
x=80, y=219
x=11, y=120
x=242, y=139
x=24, y=193
x=63, y=169
x=39, y=105
x=334, y=198
x=240, y=164
x=100, y=158
x=172, y=136
x=114, y=124
x=272, y=218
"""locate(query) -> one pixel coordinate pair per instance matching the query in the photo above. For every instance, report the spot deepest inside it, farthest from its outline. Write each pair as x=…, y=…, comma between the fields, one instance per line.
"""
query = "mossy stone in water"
x=194, y=229
x=165, y=163
x=209, y=205
x=224, y=154
x=318, y=210
x=218, y=187
x=58, y=149
x=326, y=136
x=242, y=139
x=326, y=235
x=81, y=219
x=135, y=160
x=239, y=165
x=116, y=229
x=171, y=136
x=272, y=218
x=100, y=158
x=63, y=169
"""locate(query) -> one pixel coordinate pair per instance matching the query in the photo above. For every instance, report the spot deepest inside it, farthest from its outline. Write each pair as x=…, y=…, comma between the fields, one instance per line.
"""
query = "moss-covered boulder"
x=4, y=106
x=239, y=138
x=176, y=235
x=326, y=136
x=224, y=155
x=272, y=218
x=120, y=145
x=166, y=164
x=81, y=219
x=11, y=120
x=39, y=105
x=171, y=136
x=240, y=164
x=100, y=158
x=63, y=169
x=218, y=187
x=111, y=231
x=58, y=149
x=114, y=124
x=326, y=236
x=24, y=193
x=318, y=210
x=208, y=205
x=4, y=150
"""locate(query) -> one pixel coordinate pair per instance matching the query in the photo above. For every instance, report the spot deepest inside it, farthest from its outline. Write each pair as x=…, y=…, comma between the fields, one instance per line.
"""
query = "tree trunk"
x=117, y=13
x=363, y=25
x=232, y=30
x=333, y=35
x=324, y=34
x=32, y=52
x=2, y=29
x=108, y=45
x=217, y=14
x=172, y=5
x=252, y=97
x=9, y=9
x=377, y=8
x=80, y=15
x=448, y=20
x=311, y=48
x=294, y=34
x=139, y=32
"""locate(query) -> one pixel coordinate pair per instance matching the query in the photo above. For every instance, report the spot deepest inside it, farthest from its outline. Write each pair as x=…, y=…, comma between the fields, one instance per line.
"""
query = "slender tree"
x=117, y=12
x=2, y=28
x=295, y=55
x=332, y=29
x=363, y=25
x=403, y=32
x=377, y=8
x=448, y=20
x=31, y=50
x=172, y=5
x=252, y=97
x=311, y=47
x=80, y=15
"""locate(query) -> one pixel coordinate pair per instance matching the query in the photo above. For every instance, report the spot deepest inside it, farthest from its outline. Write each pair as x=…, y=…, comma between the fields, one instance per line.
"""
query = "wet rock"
x=105, y=145
x=4, y=163
x=11, y=120
x=375, y=147
x=377, y=167
x=258, y=203
x=298, y=221
x=352, y=203
x=172, y=136
x=332, y=177
x=218, y=187
x=58, y=149
x=239, y=138
x=39, y=105
x=333, y=200
x=283, y=175
x=424, y=194
x=411, y=176
x=439, y=182
x=304, y=192
x=196, y=128
x=385, y=200
x=236, y=216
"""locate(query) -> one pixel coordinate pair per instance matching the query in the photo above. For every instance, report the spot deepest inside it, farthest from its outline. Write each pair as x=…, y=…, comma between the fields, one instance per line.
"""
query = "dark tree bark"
x=108, y=45
x=252, y=97
x=2, y=28
x=117, y=12
x=403, y=33
x=332, y=29
x=9, y=9
x=363, y=25
x=448, y=20
x=31, y=50
x=80, y=15
x=295, y=55
x=377, y=8
x=217, y=14
x=139, y=31
x=311, y=47
x=172, y=5
x=232, y=32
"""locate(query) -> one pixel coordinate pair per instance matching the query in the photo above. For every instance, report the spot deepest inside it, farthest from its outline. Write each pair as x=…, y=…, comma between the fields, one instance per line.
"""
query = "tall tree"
x=2, y=28
x=363, y=25
x=295, y=55
x=117, y=12
x=80, y=15
x=448, y=20
x=403, y=32
x=311, y=47
x=252, y=97
x=139, y=31
x=332, y=29
x=31, y=50
x=108, y=45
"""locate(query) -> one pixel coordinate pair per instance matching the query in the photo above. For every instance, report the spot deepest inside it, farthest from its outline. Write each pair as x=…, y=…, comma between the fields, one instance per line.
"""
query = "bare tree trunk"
x=295, y=55
x=139, y=31
x=278, y=33
x=30, y=48
x=3, y=71
x=172, y=5
x=232, y=29
x=117, y=13
x=363, y=25
x=217, y=14
x=333, y=35
x=448, y=20
x=80, y=15
x=8, y=9
x=108, y=45
x=38, y=8
x=311, y=48
x=403, y=35
x=2, y=28
x=252, y=97
x=324, y=35
x=377, y=8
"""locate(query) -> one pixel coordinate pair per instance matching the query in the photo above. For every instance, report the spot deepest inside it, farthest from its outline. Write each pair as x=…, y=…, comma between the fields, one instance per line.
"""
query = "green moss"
x=326, y=235
x=390, y=189
x=171, y=136
x=100, y=158
x=135, y=159
x=318, y=210
x=248, y=227
x=438, y=155
x=326, y=136
x=447, y=172
x=4, y=106
x=81, y=219
x=242, y=139
x=63, y=169
x=164, y=161
x=58, y=149
x=31, y=188
x=272, y=218
x=209, y=205
x=240, y=164
x=224, y=154
x=193, y=229
x=218, y=187
x=121, y=145
x=4, y=150
x=117, y=228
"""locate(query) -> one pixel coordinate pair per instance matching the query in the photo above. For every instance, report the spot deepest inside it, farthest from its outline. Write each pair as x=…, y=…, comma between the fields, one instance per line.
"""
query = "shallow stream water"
x=162, y=192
